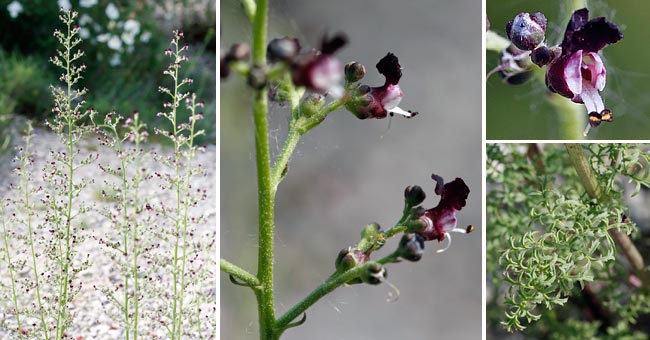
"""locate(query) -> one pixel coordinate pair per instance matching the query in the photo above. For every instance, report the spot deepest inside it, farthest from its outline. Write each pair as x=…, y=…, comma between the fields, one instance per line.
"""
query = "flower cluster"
x=575, y=68
x=320, y=72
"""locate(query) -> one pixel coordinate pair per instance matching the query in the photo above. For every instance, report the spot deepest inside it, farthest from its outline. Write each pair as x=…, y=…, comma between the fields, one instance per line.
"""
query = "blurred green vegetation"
x=521, y=112
x=132, y=84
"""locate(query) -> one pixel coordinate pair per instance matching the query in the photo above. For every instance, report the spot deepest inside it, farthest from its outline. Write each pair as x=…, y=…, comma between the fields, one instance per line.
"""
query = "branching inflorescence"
x=315, y=83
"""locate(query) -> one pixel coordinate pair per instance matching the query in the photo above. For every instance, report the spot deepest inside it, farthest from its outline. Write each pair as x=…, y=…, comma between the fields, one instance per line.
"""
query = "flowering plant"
x=59, y=224
x=312, y=84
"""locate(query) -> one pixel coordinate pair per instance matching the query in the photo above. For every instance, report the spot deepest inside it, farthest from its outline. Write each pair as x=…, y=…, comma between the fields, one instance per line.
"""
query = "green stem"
x=266, y=200
x=186, y=206
x=571, y=117
x=10, y=267
x=590, y=183
x=63, y=298
x=239, y=273
x=330, y=284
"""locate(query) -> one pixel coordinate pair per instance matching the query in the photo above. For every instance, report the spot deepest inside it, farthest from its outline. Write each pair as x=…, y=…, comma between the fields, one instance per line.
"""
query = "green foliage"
x=23, y=80
x=119, y=52
x=547, y=238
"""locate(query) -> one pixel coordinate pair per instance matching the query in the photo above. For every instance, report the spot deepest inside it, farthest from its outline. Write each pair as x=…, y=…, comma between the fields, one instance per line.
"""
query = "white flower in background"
x=84, y=33
x=132, y=26
x=103, y=37
x=65, y=4
x=87, y=3
x=85, y=19
x=116, y=59
x=114, y=43
x=145, y=36
x=112, y=12
x=128, y=38
x=14, y=8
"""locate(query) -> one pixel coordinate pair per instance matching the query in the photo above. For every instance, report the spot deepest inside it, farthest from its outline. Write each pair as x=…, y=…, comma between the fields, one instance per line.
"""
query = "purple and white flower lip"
x=579, y=72
x=379, y=102
x=320, y=71
x=441, y=220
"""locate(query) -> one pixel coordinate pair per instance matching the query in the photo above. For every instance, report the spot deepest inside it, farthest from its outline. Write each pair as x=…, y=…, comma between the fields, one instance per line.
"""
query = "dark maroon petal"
x=333, y=44
x=595, y=35
x=390, y=68
x=433, y=231
x=589, y=36
x=555, y=80
x=578, y=19
x=454, y=194
x=440, y=183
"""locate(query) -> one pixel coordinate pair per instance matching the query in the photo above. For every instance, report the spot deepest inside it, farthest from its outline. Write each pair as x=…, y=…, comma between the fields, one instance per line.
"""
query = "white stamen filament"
x=459, y=230
x=448, y=237
x=401, y=112
x=391, y=297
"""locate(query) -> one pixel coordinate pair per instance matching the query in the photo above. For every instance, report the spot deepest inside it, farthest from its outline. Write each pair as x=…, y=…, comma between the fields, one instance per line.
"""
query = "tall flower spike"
x=320, y=71
x=379, y=102
x=440, y=221
x=579, y=72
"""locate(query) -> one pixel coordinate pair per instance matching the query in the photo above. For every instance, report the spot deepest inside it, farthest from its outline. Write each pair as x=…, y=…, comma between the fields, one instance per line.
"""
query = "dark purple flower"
x=378, y=102
x=579, y=73
x=441, y=220
x=320, y=71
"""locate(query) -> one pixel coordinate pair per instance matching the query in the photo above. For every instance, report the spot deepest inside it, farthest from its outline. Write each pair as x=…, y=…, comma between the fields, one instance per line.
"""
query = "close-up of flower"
x=330, y=88
x=320, y=70
x=379, y=102
x=579, y=72
x=568, y=83
x=441, y=220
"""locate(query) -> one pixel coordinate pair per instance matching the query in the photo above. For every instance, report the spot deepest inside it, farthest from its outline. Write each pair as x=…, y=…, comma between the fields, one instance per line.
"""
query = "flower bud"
x=224, y=68
x=541, y=56
x=282, y=49
x=414, y=195
x=374, y=274
x=257, y=77
x=518, y=78
x=526, y=31
x=354, y=72
x=311, y=104
x=411, y=247
x=349, y=258
x=371, y=231
x=360, y=99
x=372, y=238
x=239, y=52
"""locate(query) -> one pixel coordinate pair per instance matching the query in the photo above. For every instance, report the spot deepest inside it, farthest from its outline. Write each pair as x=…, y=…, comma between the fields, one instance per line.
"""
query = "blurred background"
x=123, y=44
x=521, y=112
x=349, y=172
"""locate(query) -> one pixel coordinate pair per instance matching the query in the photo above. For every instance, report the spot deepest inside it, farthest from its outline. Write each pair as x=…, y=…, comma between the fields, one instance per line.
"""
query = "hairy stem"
x=266, y=201
x=239, y=273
